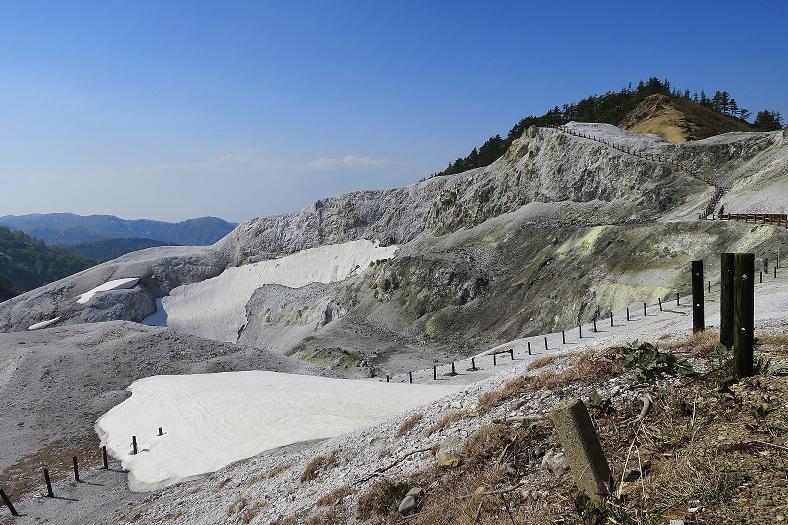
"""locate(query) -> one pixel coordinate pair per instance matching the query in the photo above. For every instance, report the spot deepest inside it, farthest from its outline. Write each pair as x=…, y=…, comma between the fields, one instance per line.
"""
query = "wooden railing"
x=777, y=219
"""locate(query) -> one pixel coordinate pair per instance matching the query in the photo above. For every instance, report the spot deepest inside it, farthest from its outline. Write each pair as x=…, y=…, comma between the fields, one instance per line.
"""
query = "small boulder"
x=407, y=506
x=554, y=462
x=416, y=492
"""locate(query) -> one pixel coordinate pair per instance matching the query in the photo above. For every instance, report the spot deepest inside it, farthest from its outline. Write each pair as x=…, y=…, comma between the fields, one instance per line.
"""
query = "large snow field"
x=212, y=420
x=216, y=308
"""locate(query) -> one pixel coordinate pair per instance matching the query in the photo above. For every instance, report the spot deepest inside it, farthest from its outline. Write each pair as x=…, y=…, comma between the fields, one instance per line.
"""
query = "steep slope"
x=482, y=254
x=107, y=249
x=27, y=263
x=679, y=120
x=69, y=228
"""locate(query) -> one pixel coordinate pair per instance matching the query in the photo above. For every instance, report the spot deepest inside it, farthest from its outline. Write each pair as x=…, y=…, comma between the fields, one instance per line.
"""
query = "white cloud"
x=348, y=161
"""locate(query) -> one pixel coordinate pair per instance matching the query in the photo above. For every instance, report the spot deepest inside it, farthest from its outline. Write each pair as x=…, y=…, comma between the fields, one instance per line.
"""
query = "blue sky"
x=172, y=109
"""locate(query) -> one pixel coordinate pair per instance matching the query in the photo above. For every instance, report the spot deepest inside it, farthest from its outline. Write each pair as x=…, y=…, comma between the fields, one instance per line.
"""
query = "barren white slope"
x=117, y=284
x=215, y=308
x=212, y=420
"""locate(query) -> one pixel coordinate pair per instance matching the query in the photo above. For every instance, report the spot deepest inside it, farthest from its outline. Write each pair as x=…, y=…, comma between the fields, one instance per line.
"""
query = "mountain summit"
x=679, y=120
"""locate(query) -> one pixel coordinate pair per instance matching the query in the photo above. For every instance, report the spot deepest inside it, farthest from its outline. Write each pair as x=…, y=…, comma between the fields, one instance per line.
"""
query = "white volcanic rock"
x=43, y=324
x=216, y=308
x=212, y=420
x=117, y=284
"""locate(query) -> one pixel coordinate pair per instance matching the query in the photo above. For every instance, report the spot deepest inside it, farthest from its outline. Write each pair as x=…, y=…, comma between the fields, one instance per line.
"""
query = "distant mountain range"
x=65, y=229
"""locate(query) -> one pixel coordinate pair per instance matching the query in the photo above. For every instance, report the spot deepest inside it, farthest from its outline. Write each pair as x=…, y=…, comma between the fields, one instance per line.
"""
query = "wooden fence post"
x=726, y=299
x=743, y=314
x=698, y=321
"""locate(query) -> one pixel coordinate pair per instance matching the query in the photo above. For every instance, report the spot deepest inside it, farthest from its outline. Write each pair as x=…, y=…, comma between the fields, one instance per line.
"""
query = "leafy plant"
x=650, y=364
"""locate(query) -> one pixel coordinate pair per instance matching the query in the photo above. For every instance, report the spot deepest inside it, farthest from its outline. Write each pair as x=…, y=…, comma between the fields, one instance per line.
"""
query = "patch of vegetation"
x=381, y=499
x=649, y=364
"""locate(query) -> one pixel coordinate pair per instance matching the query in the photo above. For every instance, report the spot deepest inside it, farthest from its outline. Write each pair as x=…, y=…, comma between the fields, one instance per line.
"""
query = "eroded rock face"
x=547, y=179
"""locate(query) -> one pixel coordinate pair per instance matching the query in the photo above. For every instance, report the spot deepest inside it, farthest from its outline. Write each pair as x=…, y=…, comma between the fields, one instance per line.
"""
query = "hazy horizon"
x=181, y=110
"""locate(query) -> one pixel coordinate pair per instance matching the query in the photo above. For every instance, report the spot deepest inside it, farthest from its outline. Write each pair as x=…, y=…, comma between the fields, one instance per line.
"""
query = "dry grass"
x=249, y=513
x=335, y=496
x=409, y=424
x=493, y=398
x=778, y=343
x=541, y=362
x=584, y=369
x=222, y=484
x=318, y=464
x=699, y=344
x=445, y=421
x=485, y=439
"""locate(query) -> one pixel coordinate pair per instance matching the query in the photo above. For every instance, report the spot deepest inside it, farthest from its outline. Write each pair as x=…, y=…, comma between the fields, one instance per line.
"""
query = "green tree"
x=768, y=120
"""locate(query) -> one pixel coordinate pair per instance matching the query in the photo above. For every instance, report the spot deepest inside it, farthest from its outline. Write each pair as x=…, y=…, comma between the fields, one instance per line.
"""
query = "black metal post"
x=434, y=372
x=563, y=337
x=529, y=347
x=161, y=432
x=76, y=469
x=580, y=329
x=727, y=273
x=453, y=371
x=594, y=324
x=410, y=377
x=627, y=313
x=104, y=457
x=134, y=444
x=677, y=299
x=698, y=320
x=495, y=361
x=660, y=303
x=743, y=314
x=545, y=342
x=611, y=318
x=511, y=353
x=473, y=364
x=388, y=379
x=48, y=481
x=645, y=312
x=8, y=503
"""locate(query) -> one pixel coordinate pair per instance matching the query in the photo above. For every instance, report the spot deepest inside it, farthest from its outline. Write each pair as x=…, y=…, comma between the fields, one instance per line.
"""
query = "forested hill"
x=611, y=108
x=27, y=263
x=65, y=229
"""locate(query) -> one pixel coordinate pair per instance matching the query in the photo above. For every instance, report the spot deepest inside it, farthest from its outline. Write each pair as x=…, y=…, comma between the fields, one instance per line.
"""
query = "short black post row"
x=76, y=469
x=8, y=503
x=50, y=493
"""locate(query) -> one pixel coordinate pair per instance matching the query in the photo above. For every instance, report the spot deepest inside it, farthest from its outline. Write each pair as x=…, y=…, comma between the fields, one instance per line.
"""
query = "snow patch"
x=212, y=420
x=43, y=324
x=216, y=308
x=117, y=284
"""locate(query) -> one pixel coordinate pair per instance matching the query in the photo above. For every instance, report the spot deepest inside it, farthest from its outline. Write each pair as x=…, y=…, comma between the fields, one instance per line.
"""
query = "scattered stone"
x=554, y=462
x=407, y=505
x=416, y=492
